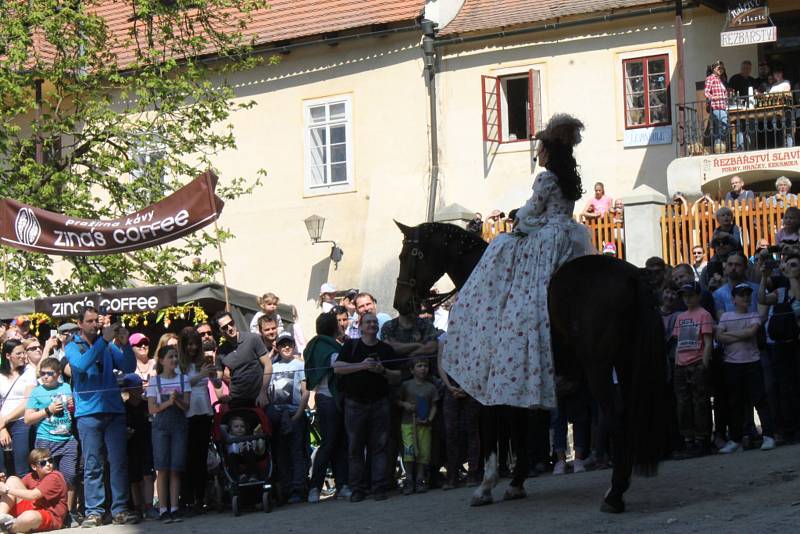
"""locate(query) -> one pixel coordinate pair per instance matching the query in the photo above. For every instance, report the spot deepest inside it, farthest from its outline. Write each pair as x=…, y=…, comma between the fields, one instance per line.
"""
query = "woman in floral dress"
x=498, y=343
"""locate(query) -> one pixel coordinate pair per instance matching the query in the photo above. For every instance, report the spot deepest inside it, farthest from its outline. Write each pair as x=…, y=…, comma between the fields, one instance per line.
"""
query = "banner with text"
x=780, y=159
x=188, y=209
x=135, y=300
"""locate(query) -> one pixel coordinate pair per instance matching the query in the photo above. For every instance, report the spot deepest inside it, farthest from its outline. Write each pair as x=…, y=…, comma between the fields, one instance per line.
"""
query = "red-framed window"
x=646, y=91
x=512, y=106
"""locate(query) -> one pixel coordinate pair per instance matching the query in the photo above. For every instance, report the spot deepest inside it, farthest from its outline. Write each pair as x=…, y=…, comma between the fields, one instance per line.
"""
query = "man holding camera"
x=100, y=412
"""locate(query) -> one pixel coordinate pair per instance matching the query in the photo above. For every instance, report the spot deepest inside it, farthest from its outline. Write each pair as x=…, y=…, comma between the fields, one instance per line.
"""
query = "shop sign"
x=748, y=13
x=750, y=36
x=134, y=300
x=748, y=23
x=714, y=167
x=655, y=135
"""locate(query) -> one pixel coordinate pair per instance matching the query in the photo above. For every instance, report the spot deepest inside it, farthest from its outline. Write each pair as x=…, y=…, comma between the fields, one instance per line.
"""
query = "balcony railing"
x=747, y=123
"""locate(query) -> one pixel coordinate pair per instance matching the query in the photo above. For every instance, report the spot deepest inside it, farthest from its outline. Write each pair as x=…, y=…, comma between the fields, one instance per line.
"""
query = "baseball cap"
x=352, y=294
x=66, y=328
x=284, y=337
x=131, y=380
x=137, y=338
x=692, y=287
x=610, y=248
x=327, y=288
x=738, y=289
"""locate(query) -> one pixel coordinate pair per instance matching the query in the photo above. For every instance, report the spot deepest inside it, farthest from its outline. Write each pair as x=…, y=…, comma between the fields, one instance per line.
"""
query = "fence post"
x=643, y=209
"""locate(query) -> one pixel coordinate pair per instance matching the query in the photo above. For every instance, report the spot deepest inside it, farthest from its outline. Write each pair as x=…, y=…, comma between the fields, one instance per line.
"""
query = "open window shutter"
x=490, y=95
x=534, y=102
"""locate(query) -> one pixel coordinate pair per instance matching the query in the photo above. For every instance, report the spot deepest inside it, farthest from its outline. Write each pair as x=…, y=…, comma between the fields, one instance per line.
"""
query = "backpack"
x=782, y=327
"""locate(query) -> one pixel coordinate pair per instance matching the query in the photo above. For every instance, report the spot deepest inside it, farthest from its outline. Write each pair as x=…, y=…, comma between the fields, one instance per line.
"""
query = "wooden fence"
x=685, y=226
x=604, y=230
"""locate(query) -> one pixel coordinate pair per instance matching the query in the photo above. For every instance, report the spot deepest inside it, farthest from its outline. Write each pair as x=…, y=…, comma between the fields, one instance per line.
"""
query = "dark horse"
x=603, y=317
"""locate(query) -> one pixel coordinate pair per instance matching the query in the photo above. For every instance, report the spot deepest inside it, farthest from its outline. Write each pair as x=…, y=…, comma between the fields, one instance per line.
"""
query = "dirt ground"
x=746, y=492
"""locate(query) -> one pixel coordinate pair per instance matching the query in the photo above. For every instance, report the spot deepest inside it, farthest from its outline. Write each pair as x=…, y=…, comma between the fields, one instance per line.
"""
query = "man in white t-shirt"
x=286, y=411
x=786, y=126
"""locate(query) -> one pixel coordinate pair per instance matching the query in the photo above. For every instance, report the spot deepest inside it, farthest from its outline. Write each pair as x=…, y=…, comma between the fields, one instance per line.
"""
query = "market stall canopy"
x=210, y=296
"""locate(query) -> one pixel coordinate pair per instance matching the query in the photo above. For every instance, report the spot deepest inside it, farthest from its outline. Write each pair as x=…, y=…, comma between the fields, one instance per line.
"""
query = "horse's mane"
x=451, y=233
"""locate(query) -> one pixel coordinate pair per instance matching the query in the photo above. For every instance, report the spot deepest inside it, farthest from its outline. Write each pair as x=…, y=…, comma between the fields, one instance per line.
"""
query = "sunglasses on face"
x=47, y=373
x=206, y=333
x=144, y=344
x=45, y=462
x=227, y=326
x=30, y=349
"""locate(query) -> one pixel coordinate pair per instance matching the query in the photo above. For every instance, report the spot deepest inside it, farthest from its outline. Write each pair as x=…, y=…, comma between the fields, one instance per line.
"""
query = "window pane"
x=338, y=172
x=658, y=81
x=634, y=68
x=337, y=111
x=637, y=101
x=338, y=134
x=317, y=175
x=635, y=117
x=636, y=85
x=655, y=66
x=658, y=114
x=658, y=98
x=338, y=153
x=317, y=114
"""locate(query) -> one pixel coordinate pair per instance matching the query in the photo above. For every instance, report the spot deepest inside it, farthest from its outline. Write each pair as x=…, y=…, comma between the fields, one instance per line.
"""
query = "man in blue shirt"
x=100, y=413
x=735, y=271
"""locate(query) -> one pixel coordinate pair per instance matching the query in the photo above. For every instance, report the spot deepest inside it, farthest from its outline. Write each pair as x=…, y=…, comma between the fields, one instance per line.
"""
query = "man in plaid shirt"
x=717, y=96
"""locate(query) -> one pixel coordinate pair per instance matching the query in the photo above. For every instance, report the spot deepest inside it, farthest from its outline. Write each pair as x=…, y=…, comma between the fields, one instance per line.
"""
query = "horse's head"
x=420, y=268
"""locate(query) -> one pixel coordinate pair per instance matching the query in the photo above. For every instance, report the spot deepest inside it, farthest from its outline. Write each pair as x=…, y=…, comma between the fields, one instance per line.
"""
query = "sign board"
x=748, y=13
x=135, y=300
x=655, y=135
x=780, y=159
x=750, y=36
x=36, y=230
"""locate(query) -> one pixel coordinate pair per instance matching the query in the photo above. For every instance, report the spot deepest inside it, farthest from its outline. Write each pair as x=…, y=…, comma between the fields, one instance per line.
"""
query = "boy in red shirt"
x=38, y=502
x=693, y=331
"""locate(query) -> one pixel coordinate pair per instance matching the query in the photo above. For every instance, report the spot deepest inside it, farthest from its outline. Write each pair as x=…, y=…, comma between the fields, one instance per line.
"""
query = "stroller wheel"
x=266, y=503
x=235, y=505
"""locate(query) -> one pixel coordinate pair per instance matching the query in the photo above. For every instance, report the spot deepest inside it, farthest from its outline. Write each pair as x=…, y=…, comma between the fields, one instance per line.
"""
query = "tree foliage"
x=134, y=103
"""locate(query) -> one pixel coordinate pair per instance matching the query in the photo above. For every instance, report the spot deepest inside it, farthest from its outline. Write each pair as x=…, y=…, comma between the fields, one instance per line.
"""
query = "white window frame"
x=310, y=188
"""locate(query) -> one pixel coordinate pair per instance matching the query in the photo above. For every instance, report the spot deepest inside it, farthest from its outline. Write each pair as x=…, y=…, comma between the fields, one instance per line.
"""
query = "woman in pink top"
x=599, y=205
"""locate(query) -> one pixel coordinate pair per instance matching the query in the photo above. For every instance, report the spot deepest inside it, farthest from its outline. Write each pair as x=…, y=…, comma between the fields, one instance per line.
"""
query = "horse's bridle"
x=411, y=282
x=416, y=253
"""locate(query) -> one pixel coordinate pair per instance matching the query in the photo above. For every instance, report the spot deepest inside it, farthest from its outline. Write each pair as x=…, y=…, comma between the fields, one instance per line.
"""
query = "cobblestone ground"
x=752, y=491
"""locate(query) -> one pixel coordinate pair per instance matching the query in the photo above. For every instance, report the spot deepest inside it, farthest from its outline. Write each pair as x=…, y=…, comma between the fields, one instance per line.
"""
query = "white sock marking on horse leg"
x=490, y=477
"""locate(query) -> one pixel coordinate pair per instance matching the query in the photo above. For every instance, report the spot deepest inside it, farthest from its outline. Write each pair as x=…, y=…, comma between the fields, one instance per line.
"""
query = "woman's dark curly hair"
x=561, y=162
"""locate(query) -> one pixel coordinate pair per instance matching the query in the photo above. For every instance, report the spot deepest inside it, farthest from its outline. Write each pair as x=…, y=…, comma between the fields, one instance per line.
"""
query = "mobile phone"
x=53, y=333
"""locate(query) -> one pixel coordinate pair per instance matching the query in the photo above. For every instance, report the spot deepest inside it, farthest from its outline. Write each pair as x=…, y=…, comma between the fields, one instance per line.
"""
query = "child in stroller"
x=241, y=439
x=243, y=455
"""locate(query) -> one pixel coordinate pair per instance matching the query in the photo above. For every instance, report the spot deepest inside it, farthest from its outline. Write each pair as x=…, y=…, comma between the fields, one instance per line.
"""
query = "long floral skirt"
x=498, y=335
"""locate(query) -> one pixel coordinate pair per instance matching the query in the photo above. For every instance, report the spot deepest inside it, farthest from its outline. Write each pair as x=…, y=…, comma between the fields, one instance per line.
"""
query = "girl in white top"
x=199, y=369
x=16, y=383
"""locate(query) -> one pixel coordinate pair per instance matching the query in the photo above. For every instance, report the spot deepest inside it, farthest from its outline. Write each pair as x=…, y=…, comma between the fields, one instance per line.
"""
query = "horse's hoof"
x=612, y=506
x=513, y=493
x=481, y=500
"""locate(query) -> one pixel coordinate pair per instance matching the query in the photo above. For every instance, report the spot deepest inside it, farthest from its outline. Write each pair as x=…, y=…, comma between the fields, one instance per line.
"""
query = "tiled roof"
x=487, y=14
x=283, y=20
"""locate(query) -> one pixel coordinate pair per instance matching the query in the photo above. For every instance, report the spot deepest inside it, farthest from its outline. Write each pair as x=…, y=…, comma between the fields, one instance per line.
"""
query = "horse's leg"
x=609, y=399
x=518, y=418
x=488, y=420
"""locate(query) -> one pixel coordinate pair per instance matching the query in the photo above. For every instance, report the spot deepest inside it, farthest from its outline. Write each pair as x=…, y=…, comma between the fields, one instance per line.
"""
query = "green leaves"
x=128, y=114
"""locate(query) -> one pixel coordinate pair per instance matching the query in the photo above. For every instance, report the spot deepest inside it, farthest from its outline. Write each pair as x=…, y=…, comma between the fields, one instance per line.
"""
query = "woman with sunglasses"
x=16, y=383
x=33, y=351
x=49, y=407
x=38, y=501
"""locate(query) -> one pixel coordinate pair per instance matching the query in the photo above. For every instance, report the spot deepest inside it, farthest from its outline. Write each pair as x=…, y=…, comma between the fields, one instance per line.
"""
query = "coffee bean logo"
x=27, y=227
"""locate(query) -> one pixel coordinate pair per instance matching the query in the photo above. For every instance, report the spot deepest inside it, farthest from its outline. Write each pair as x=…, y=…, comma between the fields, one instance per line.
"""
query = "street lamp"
x=314, y=226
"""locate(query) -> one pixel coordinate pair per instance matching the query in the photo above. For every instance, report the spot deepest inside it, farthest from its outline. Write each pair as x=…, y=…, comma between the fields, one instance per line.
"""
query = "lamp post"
x=314, y=226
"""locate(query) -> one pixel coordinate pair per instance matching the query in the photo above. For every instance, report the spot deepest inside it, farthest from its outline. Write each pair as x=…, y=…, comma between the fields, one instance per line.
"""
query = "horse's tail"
x=646, y=413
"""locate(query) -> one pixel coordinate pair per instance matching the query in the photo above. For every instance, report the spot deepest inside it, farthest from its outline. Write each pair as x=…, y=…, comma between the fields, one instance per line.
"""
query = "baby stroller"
x=221, y=439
